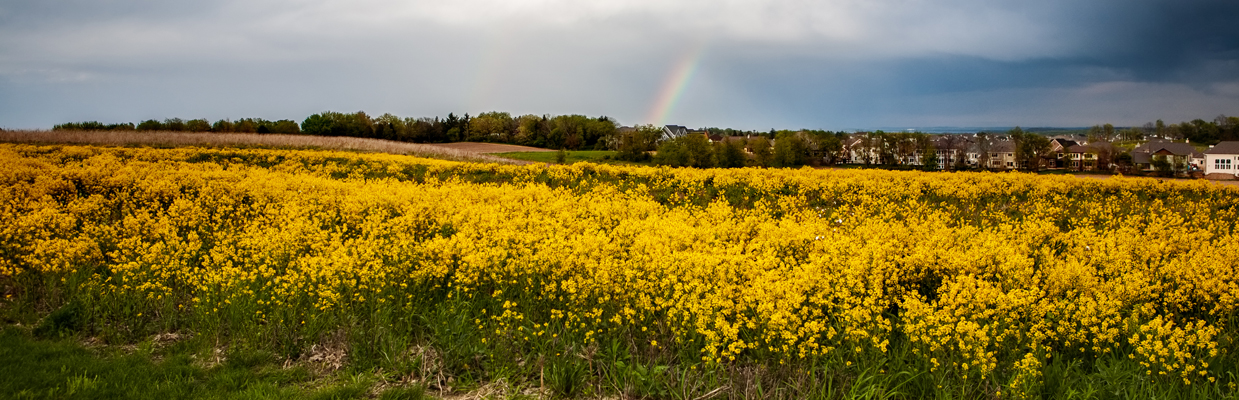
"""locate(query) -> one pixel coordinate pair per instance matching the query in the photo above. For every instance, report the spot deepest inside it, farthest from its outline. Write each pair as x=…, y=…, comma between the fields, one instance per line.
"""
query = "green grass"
x=64, y=369
x=573, y=156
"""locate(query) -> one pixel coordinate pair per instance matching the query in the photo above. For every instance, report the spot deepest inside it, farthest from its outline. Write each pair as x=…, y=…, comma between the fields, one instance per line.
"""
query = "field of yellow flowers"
x=645, y=282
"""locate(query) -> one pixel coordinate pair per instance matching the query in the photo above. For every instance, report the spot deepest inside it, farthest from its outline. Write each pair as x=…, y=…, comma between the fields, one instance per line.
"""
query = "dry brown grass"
x=205, y=139
x=492, y=147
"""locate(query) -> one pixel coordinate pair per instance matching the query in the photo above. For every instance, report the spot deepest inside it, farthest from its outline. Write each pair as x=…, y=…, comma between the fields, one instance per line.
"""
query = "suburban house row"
x=1220, y=161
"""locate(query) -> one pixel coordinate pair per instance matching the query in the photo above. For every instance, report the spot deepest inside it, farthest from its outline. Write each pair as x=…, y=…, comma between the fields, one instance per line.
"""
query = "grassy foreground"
x=593, y=281
x=57, y=368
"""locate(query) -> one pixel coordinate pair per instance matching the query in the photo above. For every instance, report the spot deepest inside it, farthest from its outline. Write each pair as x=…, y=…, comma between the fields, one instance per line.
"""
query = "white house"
x=1223, y=158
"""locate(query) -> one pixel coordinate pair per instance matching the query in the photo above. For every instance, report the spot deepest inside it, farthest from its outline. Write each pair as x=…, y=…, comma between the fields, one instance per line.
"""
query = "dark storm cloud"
x=1166, y=40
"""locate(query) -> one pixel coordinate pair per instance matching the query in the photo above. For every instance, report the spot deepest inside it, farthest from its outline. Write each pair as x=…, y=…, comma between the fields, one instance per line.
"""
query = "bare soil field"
x=486, y=148
x=454, y=151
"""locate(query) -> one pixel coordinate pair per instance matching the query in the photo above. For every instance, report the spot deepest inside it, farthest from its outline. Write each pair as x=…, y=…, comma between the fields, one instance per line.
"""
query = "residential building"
x=1222, y=159
x=674, y=131
x=1088, y=157
x=1002, y=155
x=1058, y=150
x=1179, y=155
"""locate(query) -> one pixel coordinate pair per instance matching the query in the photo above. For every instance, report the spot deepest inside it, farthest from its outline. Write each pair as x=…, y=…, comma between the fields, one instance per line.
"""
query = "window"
x=1221, y=163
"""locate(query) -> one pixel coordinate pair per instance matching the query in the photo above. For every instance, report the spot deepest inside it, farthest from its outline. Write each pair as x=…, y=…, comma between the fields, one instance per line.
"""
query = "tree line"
x=1221, y=129
x=775, y=148
x=572, y=132
x=244, y=125
x=730, y=148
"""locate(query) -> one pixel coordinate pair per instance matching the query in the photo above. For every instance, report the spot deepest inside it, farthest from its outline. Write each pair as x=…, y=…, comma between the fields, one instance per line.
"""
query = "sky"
x=745, y=64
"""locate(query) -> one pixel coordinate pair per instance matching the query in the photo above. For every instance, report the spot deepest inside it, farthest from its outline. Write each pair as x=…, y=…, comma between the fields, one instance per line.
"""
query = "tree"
x=691, y=150
x=887, y=146
x=790, y=150
x=283, y=126
x=1124, y=161
x=1101, y=133
x=529, y=130
x=830, y=146
x=1105, y=152
x=1162, y=166
x=388, y=126
x=868, y=147
x=985, y=142
x=953, y=146
x=762, y=154
x=492, y=127
x=425, y=130
x=222, y=125
x=451, y=128
x=174, y=124
x=729, y=154
x=929, y=156
x=1030, y=148
x=634, y=144
x=150, y=125
x=316, y=124
x=245, y=125
x=903, y=146
x=93, y=126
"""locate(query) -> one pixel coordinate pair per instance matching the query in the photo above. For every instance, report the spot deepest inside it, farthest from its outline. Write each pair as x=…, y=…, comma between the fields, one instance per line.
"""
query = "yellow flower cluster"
x=974, y=268
x=1167, y=349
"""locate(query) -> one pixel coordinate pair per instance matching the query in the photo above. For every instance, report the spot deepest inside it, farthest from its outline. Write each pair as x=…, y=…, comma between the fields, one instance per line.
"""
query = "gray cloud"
x=832, y=64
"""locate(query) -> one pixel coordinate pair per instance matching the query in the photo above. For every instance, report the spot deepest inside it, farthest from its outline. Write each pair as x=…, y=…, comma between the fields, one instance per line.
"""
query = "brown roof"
x=1064, y=143
x=1002, y=146
x=1091, y=148
x=1224, y=148
x=1175, y=148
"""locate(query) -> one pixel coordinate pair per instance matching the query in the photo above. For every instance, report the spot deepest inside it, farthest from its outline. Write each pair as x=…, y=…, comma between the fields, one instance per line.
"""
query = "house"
x=674, y=131
x=1058, y=145
x=1179, y=155
x=851, y=149
x=951, y=149
x=742, y=140
x=1088, y=157
x=1223, y=160
x=860, y=151
x=1002, y=155
x=1058, y=149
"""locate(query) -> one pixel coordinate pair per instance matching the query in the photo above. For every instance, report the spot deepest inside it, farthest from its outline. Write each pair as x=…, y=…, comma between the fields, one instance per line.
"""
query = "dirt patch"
x=474, y=147
x=1220, y=177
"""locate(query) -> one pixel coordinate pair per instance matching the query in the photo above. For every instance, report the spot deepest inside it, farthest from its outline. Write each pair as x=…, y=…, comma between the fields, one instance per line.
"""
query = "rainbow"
x=673, y=87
